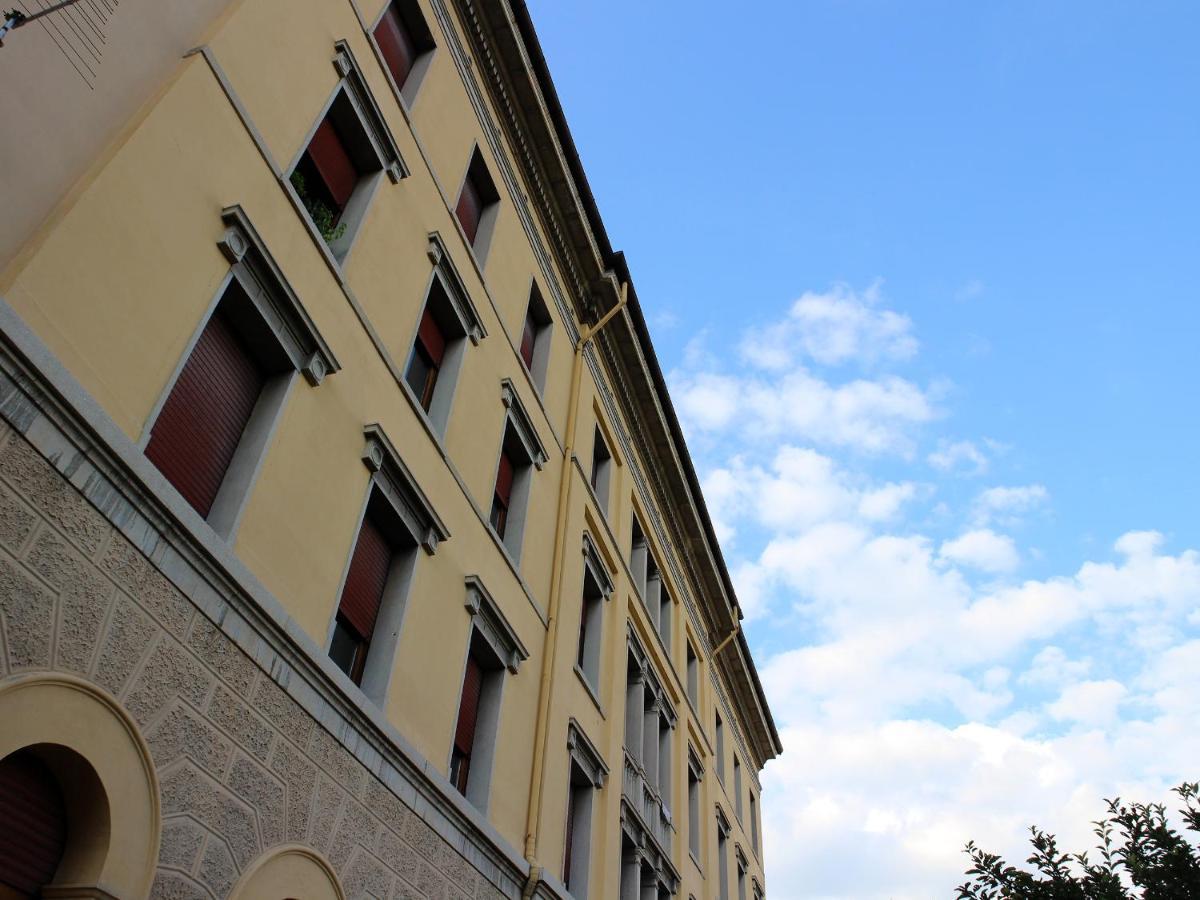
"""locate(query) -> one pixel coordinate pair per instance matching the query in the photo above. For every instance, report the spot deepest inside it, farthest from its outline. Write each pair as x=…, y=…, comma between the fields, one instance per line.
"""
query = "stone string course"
x=242, y=767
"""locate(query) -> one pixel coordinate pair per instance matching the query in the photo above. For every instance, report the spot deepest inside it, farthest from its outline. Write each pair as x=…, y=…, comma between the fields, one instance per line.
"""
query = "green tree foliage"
x=1138, y=855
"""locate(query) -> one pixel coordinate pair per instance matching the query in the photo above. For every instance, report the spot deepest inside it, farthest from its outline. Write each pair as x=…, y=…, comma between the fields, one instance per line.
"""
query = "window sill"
x=696, y=862
x=591, y=691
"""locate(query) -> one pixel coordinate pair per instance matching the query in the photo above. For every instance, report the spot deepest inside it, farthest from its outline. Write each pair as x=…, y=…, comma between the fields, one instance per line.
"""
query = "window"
x=520, y=453
x=639, y=555
x=535, y=338
x=362, y=594
x=202, y=421
x=754, y=824
x=596, y=589
x=478, y=205
x=215, y=422
x=741, y=876
x=502, y=495
x=396, y=520
x=426, y=360
x=720, y=742
x=493, y=649
x=693, y=676
x=343, y=162
x=406, y=45
x=695, y=776
x=586, y=775
x=468, y=719
x=648, y=580
x=722, y=855
x=447, y=320
x=601, y=469
x=737, y=787
x=33, y=825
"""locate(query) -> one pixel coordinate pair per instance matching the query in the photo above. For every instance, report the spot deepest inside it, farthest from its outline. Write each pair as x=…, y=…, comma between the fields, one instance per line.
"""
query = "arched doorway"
x=79, y=804
x=33, y=825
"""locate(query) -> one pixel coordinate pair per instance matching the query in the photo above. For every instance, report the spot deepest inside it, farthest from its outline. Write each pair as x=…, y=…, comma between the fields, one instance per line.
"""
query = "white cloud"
x=1089, y=702
x=920, y=704
x=1052, y=666
x=1009, y=504
x=875, y=416
x=832, y=328
x=982, y=549
x=958, y=456
x=898, y=631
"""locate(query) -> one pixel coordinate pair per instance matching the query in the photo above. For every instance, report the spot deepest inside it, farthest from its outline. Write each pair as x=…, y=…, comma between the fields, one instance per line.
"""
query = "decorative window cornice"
x=695, y=763
x=722, y=821
x=269, y=291
x=492, y=625
x=522, y=423
x=584, y=752
x=456, y=291
x=368, y=110
x=595, y=565
x=401, y=490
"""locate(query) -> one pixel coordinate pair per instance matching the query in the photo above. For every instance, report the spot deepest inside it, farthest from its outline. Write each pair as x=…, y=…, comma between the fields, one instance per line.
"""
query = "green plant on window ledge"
x=321, y=215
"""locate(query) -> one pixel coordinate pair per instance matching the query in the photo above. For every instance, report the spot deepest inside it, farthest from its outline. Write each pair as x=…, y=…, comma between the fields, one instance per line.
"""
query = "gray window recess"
x=720, y=749
x=524, y=449
x=742, y=866
x=601, y=469
x=406, y=46
x=597, y=588
x=737, y=787
x=397, y=506
x=722, y=855
x=457, y=319
x=695, y=776
x=587, y=774
x=497, y=649
x=534, y=346
x=274, y=326
x=693, y=676
x=371, y=149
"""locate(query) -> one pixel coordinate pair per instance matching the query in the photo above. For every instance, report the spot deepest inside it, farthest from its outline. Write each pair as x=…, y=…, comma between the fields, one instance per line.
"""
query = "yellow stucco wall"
x=119, y=286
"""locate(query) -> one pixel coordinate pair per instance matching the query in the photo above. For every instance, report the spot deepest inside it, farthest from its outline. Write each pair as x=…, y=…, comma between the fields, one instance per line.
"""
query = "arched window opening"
x=33, y=825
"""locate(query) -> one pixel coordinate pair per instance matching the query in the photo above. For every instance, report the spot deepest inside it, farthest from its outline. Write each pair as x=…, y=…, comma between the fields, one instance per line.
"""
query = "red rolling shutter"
x=504, y=479
x=33, y=825
x=468, y=715
x=431, y=338
x=528, y=337
x=333, y=163
x=197, y=432
x=396, y=44
x=470, y=208
x=365, y=580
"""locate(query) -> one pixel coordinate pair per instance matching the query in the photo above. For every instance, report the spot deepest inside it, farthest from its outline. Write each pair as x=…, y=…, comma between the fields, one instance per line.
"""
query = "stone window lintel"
x=269, y=290
x=401, y=489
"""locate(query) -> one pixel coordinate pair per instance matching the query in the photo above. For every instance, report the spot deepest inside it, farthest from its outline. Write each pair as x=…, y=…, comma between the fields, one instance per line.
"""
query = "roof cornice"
x=510, y=63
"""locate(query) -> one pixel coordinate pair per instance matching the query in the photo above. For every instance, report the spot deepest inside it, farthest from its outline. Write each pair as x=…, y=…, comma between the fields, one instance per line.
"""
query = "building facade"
x=349, y=542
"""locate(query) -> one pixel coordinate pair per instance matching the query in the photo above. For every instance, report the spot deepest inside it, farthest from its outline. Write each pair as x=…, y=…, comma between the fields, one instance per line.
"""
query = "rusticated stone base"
x=241, y=764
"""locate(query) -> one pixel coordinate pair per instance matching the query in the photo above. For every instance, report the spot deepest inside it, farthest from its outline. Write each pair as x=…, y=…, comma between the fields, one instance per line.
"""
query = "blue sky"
x=924, y=277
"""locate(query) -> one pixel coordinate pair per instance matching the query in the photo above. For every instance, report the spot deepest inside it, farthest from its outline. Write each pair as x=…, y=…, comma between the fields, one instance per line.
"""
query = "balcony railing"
x=646, y=801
